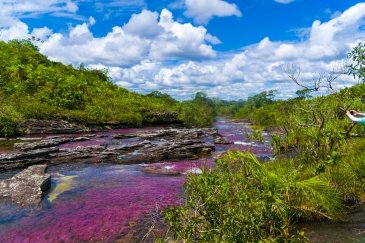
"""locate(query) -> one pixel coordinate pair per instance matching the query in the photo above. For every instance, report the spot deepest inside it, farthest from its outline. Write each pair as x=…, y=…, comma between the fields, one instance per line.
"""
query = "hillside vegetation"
x=318, y=171
x=34, y=87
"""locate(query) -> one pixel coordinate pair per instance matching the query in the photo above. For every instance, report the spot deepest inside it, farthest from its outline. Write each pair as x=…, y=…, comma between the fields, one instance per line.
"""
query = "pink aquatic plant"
x=106, y=201
x=101, y=213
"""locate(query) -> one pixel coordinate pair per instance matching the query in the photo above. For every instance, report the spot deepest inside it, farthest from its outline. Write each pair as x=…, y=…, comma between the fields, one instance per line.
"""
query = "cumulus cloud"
x=17, y=30
x=152, y=51
x=116, y=48
x=147, y=35
x=180, y=40
x=257, y=67
x=203, y=10
x=144, y=24
x=42, y=33
x=11, y=10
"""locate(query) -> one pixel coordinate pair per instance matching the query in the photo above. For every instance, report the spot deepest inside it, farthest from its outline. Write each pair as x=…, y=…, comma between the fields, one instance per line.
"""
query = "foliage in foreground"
x=243, y=200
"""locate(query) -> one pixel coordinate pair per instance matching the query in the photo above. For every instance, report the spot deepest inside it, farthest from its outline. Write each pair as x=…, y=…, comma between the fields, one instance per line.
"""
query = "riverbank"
x=350, y=229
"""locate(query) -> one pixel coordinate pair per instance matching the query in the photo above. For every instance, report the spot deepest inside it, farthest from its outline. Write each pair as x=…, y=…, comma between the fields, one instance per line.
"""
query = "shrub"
x=242, y=200
x=8, y=127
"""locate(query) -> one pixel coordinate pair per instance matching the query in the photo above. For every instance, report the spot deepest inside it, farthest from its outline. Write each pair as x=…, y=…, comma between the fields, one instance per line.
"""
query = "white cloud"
x=180, y=40
x=145, y=36
x=287, y=51
x=284, y=1
x=212, y=39
x=152, y=51
x=116, y=48
x=125, y=3
x=92, y=21
x=18, y=30
x=144, y=24
x=203, y=10
x=188, y=73
x=34, y=7
x=71, y=7
x=42, y=33
x=11, y=10
x=257, y=67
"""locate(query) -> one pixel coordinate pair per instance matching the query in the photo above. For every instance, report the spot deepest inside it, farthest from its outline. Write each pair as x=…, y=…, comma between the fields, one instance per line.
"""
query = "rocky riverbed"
x=142, y=147
x=109, y=186
x=106, y=186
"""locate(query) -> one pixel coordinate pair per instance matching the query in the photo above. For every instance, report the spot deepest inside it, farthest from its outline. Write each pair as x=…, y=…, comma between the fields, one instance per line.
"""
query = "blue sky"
x=228, y=49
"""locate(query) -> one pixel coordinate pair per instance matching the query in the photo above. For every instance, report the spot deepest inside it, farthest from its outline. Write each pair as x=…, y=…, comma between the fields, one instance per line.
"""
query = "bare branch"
x=293, y=72
x=320, y=80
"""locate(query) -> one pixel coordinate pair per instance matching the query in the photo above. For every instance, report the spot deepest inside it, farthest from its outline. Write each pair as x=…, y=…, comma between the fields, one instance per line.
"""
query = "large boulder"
x=27, y=187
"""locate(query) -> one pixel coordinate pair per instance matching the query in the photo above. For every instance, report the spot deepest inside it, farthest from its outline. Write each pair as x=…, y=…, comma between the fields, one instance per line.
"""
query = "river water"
x=105, y=202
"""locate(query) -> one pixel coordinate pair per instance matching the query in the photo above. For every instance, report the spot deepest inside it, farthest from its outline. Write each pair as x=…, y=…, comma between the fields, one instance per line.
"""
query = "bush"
x=196, y=115
x=33, y=109
x=9, y=121
x=242, y=200
x=347, y=173
x=8, y=127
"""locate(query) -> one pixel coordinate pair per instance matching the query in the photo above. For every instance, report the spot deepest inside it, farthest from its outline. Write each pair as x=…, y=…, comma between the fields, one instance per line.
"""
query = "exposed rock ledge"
x=145, y=147
x=34, y=126
x=27, y=187
x=59, y=126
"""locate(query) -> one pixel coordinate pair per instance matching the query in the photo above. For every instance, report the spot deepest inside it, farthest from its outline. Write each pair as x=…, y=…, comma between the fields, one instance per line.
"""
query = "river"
x=106, y=202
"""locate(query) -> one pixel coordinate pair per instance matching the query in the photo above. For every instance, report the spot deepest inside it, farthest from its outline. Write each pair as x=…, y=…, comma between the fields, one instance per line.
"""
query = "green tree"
x=357, y=68
x=304, y=93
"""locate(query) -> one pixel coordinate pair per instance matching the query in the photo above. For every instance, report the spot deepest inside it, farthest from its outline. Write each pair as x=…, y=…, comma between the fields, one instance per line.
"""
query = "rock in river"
x=24, y=159
x=141, y=147
x=219, y=139
x=48, y=142
x=27, y=187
